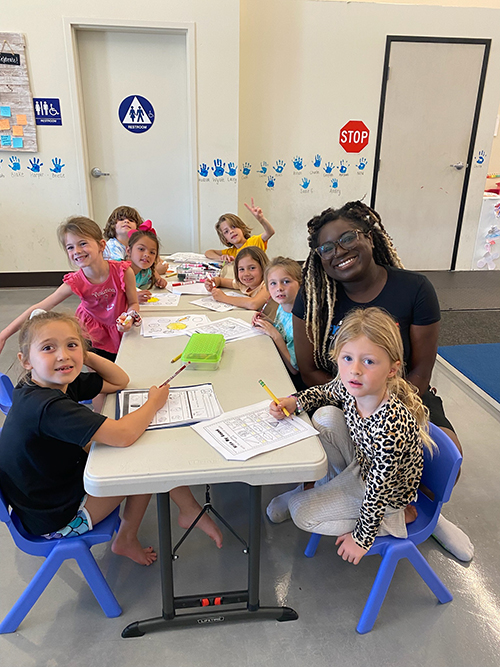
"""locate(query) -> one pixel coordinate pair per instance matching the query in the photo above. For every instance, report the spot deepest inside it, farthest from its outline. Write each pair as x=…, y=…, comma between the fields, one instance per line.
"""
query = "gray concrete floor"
x=67, y=627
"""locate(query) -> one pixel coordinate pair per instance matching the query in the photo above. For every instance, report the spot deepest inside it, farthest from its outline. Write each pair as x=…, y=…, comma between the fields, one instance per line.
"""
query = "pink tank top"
x=101, y=304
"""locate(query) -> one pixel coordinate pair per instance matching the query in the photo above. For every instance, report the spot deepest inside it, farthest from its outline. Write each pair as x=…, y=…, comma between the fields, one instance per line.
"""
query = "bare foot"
x=188, y=514
x=410, y=513
x=132, y=549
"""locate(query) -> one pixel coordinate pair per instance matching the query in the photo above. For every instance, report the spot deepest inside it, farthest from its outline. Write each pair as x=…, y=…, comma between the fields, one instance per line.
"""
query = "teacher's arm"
x=424, y=343
x=304, y=352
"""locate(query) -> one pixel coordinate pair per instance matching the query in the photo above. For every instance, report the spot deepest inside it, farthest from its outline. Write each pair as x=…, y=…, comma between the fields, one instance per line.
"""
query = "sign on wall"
x=47, y=110
x=136, y=114
x=17, y=121
x=354, y=136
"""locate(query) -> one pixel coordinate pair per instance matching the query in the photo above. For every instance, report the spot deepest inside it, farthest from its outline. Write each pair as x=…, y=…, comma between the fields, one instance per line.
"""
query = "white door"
x=428, y=121
x=148, y=170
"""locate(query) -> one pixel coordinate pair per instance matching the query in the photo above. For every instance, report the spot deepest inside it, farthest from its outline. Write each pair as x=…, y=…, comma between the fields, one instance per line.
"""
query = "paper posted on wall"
x=240, y=434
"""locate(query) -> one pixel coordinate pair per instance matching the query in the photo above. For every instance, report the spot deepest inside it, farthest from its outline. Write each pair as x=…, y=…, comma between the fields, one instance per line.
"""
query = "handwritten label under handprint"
x=263, y=168
x=344, y=165
x=218, y=168
x=15, y=166
x=361, y=165
x=298, y=163
x=279, y=166
x=231, y=169
x=328, y=168
x=203, y=170
x=271, y=180
x=305, y=183
x=57, y=168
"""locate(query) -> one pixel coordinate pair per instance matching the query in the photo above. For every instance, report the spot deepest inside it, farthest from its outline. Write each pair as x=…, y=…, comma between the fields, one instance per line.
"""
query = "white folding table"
x=163, y=459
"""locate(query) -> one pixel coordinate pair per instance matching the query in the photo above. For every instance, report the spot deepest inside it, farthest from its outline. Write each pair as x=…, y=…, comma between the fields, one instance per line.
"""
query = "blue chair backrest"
x=4, y=510
x=441, y=474
x=6, y=389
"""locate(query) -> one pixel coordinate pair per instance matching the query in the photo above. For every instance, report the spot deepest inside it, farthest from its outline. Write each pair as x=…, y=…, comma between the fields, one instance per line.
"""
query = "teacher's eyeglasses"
x=347, y=241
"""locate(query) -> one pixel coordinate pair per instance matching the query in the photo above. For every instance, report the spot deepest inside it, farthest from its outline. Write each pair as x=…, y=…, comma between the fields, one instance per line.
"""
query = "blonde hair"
x=121, y=213
x=290, y=266
x=32, y=327
x=234, y=220
x=382, y=330
x=81, y=226
x=257, y=254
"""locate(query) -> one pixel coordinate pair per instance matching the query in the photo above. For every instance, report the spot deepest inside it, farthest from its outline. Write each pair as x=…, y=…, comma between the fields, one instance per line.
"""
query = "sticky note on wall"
x=17, y=131
x=5, y=139
x=17, y=142
x=5, y=112
x=4, y=124
x=21, y=119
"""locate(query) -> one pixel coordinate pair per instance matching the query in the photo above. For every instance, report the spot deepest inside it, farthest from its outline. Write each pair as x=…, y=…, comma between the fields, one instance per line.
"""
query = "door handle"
x=458, y=165
x=97, y=173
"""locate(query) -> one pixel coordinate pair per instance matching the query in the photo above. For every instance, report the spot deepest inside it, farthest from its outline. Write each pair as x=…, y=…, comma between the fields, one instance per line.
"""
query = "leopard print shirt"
x=388, y=449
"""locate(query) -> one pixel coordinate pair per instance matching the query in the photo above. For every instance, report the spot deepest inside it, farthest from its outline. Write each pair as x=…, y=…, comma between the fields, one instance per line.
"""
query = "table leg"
x=217, y=614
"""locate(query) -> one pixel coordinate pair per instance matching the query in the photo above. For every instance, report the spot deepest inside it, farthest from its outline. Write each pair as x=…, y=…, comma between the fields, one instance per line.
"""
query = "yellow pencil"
x=176, y=358
x=275, y=399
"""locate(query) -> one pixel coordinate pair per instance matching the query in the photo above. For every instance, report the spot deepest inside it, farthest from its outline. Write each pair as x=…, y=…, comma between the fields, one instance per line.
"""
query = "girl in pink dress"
x=106, y=289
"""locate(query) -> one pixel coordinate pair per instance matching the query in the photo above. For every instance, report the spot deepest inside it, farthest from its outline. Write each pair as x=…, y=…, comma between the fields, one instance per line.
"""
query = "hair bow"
x=147, y=226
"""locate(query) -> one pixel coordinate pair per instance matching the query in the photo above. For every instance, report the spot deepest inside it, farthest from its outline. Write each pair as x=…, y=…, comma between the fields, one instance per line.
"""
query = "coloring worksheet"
x=165, y=299
x=184, y=257
x=187, y=288
x=230, y=327
x=184, y=406
x=165, y=327
x=210, y=303
x=240, y=434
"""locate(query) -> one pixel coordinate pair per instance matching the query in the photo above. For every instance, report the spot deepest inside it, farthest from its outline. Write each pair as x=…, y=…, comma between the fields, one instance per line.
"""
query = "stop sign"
x=354, y=136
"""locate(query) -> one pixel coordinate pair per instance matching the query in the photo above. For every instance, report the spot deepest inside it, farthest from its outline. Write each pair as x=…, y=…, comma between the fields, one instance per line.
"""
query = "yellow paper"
x=17, y=131
x=4, y=124
x=21, y=119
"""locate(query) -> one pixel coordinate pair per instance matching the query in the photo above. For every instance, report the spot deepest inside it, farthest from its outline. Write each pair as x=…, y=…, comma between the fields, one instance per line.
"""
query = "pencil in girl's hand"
x=275, y=399
x=179, y=370
x=261, y=311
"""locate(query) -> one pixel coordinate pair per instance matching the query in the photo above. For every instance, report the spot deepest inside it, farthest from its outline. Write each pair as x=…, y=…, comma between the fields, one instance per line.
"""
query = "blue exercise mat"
x=480, y=363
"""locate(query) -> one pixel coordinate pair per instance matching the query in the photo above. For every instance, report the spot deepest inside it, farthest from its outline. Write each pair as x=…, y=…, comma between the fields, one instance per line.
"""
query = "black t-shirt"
x=41, y=456
x=408, y=296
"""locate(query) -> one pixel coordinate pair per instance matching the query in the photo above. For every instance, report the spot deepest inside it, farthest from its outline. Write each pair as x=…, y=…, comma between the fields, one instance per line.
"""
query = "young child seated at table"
x=282, y=277
x=249, y=267
x=44, y=439
x=143, y=250
x=236, y=235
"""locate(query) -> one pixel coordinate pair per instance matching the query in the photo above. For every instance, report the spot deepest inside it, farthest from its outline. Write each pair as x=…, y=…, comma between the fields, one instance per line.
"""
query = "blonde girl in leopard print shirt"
x=375, y=452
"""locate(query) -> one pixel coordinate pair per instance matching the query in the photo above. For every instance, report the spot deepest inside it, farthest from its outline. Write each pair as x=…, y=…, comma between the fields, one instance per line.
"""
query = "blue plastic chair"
x=55, y=552
x=6, y=389
x=439, y=476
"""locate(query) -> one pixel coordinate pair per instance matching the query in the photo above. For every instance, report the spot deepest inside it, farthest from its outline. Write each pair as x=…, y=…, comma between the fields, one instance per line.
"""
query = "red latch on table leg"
x=217, y=600
x=205, y=602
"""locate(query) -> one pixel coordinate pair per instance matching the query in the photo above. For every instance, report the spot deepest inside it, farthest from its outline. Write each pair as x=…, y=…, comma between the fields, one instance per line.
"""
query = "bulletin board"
x=17, y=118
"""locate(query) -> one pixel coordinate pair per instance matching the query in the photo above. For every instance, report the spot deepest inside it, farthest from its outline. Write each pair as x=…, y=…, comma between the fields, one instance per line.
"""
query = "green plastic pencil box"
x=204, y=351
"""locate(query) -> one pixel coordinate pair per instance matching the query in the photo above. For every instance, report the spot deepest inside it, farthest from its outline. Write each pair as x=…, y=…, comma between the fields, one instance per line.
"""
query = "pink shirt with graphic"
x=101, y=304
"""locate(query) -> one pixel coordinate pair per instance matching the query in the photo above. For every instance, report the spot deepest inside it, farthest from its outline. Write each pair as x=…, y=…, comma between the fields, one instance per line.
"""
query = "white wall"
x=307, y=68
x=32, y=207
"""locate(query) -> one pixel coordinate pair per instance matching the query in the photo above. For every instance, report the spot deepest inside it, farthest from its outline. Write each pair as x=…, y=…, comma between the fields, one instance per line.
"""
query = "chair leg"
x=98, y=584
x=429, y=576
x=312, y=545
x=31, y=593
x=378, y=592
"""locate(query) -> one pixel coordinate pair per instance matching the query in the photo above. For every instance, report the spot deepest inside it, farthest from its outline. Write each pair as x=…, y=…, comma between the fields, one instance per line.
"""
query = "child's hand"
x=348, y=548
x=218, y=294
x=256, y=211
x=258, y=317
x=159, y=395
x=144, y=295
x=161, y=283
x=124, y=322
x=209, y=284
x=267, y=327
x=162, y=267
x=228, y=258
x=290, y=403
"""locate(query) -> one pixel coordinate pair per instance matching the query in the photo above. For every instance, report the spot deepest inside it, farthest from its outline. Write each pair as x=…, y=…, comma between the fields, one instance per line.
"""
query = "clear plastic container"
x=204, y=351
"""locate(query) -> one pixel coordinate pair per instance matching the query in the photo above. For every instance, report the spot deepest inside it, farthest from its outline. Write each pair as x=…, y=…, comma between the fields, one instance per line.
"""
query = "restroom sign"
x=136, y=114
x=354, y=136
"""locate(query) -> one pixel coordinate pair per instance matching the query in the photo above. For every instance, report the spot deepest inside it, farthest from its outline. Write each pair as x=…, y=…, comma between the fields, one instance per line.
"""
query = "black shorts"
x=436, y=411
x=103, y=353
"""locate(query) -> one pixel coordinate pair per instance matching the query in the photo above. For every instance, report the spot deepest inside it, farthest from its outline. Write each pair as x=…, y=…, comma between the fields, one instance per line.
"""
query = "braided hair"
x=319, y=289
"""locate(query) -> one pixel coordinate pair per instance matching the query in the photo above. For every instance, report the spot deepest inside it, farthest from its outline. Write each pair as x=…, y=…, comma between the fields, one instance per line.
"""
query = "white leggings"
x=332, y=506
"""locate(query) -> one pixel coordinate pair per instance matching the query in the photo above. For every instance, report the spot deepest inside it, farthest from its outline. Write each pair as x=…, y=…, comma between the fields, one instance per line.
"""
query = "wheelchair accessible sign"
x=136, y=114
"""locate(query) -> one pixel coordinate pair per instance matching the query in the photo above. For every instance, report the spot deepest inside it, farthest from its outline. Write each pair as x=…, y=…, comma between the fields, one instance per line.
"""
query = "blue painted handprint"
x=203, y=170
x=343, y=166
x=481, y=157
x=305, y=183
x=231, y=169
x=15, y=163
x=35, y=165
x=335, y=183
x=270, y=181
x=56, y=161
x=317, y=160
x=263, y=168
x=361, y=164
x=279, y=166
x=246, y=168
x=218, y=167
x=328, y=168
x=297, y=163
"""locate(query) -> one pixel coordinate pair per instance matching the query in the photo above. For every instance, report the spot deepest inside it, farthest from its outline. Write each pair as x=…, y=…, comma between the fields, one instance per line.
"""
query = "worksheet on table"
x=168, y=326
x=161, y=299
x=240, y=434
x=230, y=327
x=185, y=405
